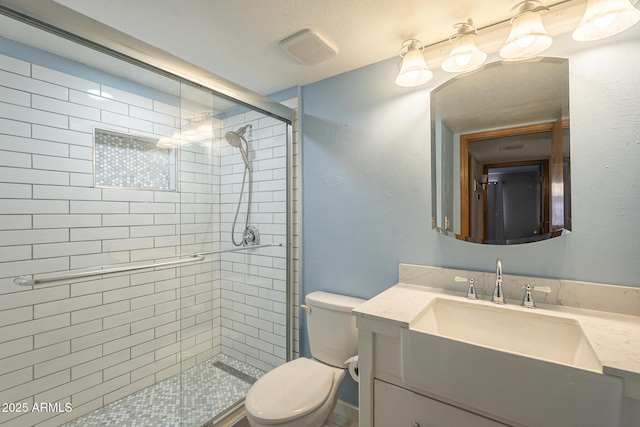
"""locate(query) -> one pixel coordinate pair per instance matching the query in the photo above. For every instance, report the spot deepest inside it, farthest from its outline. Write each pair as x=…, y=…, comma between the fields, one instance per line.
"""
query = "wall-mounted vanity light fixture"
x=604, y=18
x=465, y=55
x=528, y=36
x=413, y=67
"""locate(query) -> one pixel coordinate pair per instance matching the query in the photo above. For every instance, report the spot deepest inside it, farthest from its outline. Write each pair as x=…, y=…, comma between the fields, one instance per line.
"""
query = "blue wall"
x=367, y=192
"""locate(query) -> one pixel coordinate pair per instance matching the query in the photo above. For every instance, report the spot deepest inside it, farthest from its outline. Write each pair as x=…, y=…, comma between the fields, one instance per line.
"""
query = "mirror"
x=500, y=153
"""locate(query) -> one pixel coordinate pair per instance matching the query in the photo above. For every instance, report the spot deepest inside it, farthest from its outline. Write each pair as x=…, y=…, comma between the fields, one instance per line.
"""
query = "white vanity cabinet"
x=385, y=401
x=398, y=407
x=427, y=358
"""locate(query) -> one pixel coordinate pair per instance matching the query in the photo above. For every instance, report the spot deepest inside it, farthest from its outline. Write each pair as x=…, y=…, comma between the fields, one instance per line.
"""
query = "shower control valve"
x=251, y=236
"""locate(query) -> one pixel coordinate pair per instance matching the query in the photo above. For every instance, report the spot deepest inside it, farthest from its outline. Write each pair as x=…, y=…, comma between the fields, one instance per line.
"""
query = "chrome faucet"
x=498, y=296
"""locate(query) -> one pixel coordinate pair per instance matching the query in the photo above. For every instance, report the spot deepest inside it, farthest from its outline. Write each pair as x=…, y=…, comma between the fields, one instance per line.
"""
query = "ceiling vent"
x=309, y=47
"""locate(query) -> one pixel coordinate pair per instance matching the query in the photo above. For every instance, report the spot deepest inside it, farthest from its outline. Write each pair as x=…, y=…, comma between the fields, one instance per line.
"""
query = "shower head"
x=234, y=138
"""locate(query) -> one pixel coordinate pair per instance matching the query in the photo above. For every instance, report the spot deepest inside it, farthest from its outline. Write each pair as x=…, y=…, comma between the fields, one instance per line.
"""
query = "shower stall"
x=145, y=240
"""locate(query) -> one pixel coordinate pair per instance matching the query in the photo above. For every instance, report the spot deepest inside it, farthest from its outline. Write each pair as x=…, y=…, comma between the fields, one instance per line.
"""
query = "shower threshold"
x=204, y=391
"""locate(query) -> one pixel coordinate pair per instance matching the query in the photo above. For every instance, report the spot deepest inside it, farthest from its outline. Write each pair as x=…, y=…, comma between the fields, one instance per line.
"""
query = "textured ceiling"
x=239, y=39
x=494, y=96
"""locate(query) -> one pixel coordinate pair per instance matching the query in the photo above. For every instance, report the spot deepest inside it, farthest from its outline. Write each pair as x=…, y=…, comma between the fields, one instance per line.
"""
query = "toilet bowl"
x=304, y=392
x=301, y=393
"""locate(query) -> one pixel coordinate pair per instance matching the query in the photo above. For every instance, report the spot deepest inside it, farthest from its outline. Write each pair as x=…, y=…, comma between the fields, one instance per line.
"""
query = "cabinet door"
x=398, y=407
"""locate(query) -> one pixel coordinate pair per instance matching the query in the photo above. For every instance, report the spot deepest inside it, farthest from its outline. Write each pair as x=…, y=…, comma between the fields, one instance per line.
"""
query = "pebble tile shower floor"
x=207, y=389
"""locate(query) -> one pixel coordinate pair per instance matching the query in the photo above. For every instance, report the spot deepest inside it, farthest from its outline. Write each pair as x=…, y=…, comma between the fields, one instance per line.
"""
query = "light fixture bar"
x=493, y=35
x=564, y=17
x=506, y=22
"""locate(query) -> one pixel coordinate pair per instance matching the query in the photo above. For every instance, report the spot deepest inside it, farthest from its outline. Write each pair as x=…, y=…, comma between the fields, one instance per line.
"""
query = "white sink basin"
x=529, y=333
x=524, y=368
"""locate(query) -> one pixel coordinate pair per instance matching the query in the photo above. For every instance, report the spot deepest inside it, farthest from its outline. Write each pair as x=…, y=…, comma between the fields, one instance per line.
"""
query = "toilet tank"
x=333, y=336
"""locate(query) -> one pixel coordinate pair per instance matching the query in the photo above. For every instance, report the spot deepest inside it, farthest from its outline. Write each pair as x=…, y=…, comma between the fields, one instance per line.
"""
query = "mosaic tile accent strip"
x=200, y=394
x=131, y=161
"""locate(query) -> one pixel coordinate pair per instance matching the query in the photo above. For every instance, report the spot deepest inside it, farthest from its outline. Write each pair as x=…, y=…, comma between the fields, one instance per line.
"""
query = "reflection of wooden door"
x=466, y=175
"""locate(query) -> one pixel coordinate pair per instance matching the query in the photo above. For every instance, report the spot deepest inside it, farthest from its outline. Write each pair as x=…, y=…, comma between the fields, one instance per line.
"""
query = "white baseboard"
x=347, y=410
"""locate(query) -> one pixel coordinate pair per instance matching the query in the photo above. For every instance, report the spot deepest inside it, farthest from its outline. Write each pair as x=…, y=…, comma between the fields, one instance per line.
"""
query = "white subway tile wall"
x=97, y=340
x=254, y=284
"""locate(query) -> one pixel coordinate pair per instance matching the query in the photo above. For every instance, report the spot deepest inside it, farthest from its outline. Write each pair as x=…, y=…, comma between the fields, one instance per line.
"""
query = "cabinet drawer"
x=397, y=407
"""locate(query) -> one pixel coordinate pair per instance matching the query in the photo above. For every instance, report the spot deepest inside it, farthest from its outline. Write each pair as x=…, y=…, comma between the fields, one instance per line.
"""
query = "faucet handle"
x=527, y=301
x=545, y=289
x=471, y=291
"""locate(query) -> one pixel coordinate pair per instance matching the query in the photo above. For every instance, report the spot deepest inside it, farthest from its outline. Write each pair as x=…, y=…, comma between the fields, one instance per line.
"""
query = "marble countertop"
x=614, y=337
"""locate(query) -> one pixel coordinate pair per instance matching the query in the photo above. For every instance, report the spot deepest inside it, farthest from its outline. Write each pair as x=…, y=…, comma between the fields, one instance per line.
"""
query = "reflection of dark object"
x=514, y=204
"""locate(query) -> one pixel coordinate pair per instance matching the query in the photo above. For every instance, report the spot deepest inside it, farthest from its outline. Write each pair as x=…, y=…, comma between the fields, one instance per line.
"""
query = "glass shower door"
x=233, y=210
x=108, y=164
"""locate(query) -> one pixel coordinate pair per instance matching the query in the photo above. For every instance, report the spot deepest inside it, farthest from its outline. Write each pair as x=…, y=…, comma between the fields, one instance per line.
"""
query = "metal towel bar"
x=23, y=281
x=196, y=257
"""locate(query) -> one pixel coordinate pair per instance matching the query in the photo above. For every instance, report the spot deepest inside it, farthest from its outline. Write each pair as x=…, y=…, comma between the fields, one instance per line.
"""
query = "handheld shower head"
x=235, y=138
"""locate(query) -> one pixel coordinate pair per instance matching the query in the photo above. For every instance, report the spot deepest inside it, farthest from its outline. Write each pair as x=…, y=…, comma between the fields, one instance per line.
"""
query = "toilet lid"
x=289, y=391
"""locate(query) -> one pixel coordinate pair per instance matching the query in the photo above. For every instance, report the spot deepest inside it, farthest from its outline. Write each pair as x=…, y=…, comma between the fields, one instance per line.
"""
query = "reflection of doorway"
x=545, y=143
x=516, y=201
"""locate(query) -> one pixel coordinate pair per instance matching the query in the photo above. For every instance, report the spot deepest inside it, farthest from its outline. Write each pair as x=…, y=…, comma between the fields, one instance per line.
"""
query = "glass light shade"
x=205, y=131
x=166, y=142
x=190, y=134
x=413, y=69
x=527, y=38
x=464, y=56
x=604, y=18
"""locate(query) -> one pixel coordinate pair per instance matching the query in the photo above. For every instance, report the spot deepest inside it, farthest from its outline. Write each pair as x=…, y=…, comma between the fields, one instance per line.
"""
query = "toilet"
x=304, y=392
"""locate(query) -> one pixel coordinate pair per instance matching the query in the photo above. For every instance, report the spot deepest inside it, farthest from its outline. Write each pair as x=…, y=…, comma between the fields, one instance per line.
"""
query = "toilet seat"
x=290, y=391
